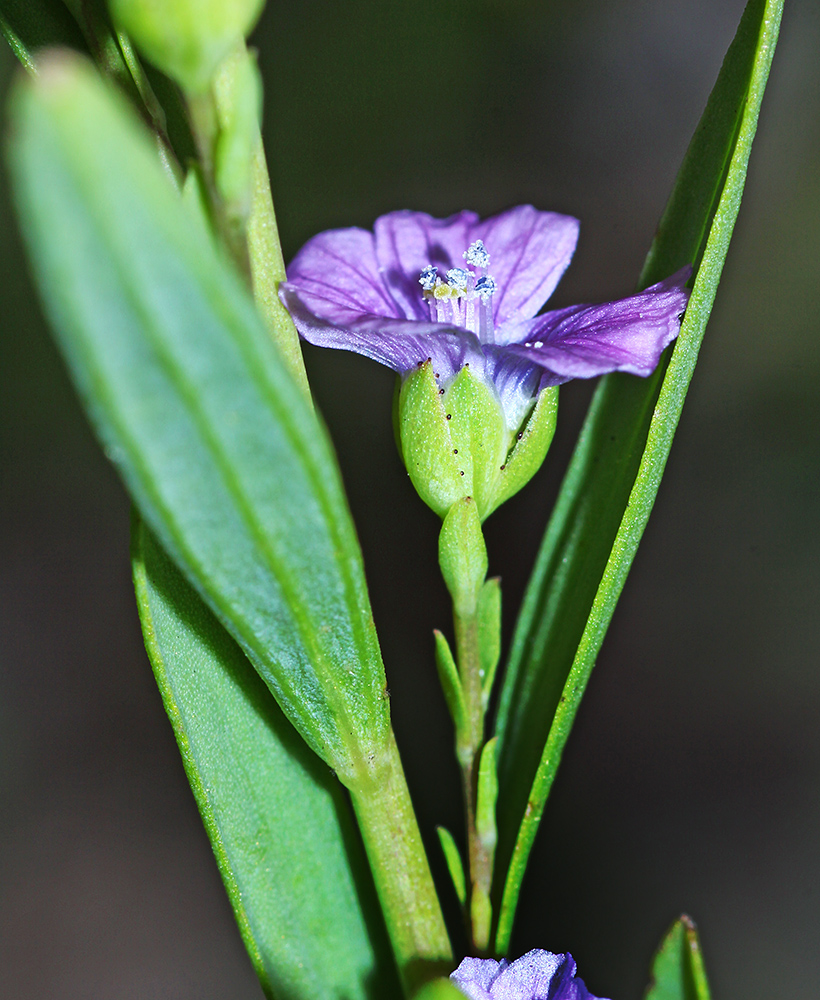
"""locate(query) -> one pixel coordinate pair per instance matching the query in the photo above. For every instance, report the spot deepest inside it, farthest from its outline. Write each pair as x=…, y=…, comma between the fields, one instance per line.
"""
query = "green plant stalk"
x=469, y=744
x=254, y=244
x=268, y=271
x=401, y=872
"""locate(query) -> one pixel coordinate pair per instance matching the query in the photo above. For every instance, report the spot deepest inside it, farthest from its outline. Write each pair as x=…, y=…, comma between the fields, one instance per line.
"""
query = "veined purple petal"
x=399, y=344
x=529, y=251
x=408, y=241
x=338, y=271
x=582, y=341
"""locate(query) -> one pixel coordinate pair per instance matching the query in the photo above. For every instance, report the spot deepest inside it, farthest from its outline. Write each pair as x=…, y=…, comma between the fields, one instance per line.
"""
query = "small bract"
x=451, y=304
x=538, y=975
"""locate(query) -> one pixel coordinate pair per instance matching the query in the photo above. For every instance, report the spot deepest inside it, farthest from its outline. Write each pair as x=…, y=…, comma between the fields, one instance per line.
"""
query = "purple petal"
x=528, y=977
x=399, y=344
x=583, y=341
x=475, y=976
x=529, y=251
x=566, y=986
x=408, y=241
x=338, y=271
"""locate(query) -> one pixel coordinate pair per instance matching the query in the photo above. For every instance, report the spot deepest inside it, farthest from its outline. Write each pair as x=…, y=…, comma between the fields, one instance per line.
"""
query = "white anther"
x=427, y=278
x=477, y=254
x=485, y=287
x=459, y=278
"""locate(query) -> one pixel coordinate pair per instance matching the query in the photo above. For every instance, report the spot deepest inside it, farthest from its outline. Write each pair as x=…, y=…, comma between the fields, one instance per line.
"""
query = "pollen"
x=427, y=278
x=459, y=278
x=477, y=254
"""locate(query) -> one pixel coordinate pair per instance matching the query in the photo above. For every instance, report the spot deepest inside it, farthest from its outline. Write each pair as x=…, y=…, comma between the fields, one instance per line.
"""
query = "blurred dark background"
x=692, y=779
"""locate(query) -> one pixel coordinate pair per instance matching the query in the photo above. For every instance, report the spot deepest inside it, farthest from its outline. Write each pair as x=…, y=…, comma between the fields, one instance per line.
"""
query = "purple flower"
x=538, y=975
x=463, y=291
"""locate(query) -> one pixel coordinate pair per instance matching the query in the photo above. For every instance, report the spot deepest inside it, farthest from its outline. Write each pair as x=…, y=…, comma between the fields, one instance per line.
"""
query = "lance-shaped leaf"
x=223, y=454
x=280, y=827
x=612, y=480
x=677, y=970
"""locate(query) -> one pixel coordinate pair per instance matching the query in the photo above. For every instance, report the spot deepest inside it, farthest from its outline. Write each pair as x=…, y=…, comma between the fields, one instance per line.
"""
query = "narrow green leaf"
x=677, y=969
x=280, y=827
x=220, y=449
x=223, y=454
x=455, y=866
x=487, y=796
x=614, y=475
x=450, y=681
x=29, y=25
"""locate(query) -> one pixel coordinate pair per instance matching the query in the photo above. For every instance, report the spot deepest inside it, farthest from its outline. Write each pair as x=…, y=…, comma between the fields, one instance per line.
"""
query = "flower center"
x=465, y=297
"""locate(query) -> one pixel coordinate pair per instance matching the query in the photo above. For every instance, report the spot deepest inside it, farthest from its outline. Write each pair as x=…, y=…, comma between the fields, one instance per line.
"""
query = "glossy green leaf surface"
x=29, y=25
x=613, y=477
x=279, y=822
x=677, y=969
x=221, y=451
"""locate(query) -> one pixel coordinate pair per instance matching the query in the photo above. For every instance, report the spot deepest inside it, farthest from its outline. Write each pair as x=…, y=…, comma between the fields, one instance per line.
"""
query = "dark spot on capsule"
x=455, y=451
x=503, y=467
x=421, y=364
x=429, y=359
x=438, y=375
x=520, y=435
x=449, y=416
x=680, y=317
x=462, y=472
x=441, y=392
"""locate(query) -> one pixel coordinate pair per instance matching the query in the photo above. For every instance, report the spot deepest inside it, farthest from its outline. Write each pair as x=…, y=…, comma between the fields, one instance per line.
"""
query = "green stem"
x=252, y=237
x=400, y=870
x=268, y=271
x=469, y=745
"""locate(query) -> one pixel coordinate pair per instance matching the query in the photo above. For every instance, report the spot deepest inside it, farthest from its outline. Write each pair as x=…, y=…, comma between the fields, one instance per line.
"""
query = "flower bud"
x=455, y=442
x=186, y=39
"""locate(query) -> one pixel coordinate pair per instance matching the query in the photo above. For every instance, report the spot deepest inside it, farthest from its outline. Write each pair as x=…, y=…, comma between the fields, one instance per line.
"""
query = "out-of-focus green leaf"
x=677, y=970
x=614, y=475
x=280, y=827
x=223, y=454
x=439, y=989
x=29, y=25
